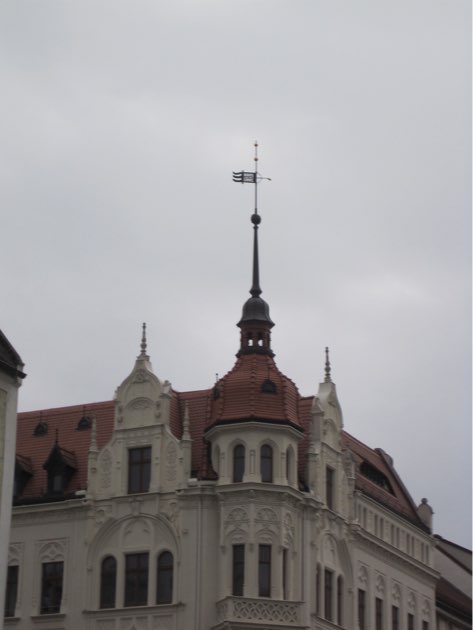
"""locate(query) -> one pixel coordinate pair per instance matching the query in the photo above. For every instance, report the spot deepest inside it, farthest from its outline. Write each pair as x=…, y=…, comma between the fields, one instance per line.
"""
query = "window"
x=410, y=621
x=376, y=476
x=139, y=469
x=395, y=618
x=328, y=594
x=165, y=578
x=361, y=609
x=379, y=613
x=285, y=594
x=264, y=571
x=51, y=587
x=238, y=577
x=340, y=600
x=266, y=456
x=238, y=463
x=329, y=474
x=12, y=591
x=60, y=466
x=136, y=579
x=108, y=579
x=425, y=625
x=317, y=590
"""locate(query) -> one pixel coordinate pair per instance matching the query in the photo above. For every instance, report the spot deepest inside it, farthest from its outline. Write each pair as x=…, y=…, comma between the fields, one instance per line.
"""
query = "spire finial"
x=93, y=435
x=143, y=341
x=328, y=378
x=186, y=423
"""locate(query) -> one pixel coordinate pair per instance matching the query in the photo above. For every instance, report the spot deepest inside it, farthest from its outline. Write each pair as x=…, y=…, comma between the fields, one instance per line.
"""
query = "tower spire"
x=255, y=322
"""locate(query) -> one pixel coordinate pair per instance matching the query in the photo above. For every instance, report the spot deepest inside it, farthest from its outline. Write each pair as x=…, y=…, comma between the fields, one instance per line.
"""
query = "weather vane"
x=249, y=177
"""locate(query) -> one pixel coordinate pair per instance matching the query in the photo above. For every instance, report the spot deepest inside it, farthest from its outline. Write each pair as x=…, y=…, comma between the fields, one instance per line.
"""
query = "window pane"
x=139, y=469
x=284, y=574
x=108, y=579
x=317, y=590
x=11, y=592
x=238, y=463
x=51, y=587
x=165, y=578
x=361, y=609
x=410, y=621
x=136, y=579
x=395, y=618
x=264, y=571
x=379, y=613
x=328, y=594
x=340, y=600
x=238, y=577
x=329, y=487
x=266, y=456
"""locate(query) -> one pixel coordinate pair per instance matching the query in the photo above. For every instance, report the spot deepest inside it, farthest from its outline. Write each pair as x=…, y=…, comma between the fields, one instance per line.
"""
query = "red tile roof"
x=240, y=393
x=238, y=399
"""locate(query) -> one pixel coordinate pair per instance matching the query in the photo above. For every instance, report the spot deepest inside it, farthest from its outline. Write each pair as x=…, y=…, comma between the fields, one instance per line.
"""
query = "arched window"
x=108, y=580
x=165, y=578
x=238, y=463
x=266, y=463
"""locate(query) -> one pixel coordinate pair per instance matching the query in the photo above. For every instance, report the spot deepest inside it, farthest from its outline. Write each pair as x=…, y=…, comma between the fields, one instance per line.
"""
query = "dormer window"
x=23, y=472
x=40, y=429
x=269, y=387
x=84, y=423
x=376, y=476
x=60, y=466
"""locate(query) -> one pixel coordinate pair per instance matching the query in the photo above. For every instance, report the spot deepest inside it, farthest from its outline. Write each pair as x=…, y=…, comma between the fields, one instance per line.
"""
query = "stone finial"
x=425, y=512
x=328, y=378
x=93, y=435
x=144, y=344
x=186, y=423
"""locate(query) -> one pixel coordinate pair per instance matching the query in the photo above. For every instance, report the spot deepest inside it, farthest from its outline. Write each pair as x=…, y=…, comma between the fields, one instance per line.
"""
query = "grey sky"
x=121, y=123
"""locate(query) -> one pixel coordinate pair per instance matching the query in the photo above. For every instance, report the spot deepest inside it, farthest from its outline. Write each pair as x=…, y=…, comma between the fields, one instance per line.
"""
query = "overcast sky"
x=121, y=123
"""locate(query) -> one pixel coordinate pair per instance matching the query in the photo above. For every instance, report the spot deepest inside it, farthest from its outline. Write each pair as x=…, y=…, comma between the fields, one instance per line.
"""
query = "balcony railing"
x=276, y=612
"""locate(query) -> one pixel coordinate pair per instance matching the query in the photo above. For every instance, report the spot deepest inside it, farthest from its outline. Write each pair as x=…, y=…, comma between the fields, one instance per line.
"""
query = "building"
x=11, y=375
x=241, y=506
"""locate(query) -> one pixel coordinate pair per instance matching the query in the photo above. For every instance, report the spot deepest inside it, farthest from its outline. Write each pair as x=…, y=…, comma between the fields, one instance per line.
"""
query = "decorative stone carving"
x=411, y=601
x=141, y=376
x=258, y=611
x=15, y=553
x=426, y=609
x=237, y=515
x=106, y=624
x=51, y=551
x=137, y=531
x=267, y=514
x=329, y=552
x=362, y=575
x=289, y=530
x=380, y=586
x=106, y=469
x=396, y=594
x=141, y=403
x=171, y=459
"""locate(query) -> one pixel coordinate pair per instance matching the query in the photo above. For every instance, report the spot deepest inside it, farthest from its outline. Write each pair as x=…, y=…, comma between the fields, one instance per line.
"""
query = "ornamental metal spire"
x=143, y=344
x=328, y=378
x=248, y=177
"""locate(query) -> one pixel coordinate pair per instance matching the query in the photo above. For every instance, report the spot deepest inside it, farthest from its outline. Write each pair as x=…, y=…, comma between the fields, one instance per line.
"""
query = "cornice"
x=427, y=574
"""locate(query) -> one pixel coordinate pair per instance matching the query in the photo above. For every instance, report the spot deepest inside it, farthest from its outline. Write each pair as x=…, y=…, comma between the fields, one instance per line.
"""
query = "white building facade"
x=245, y=506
